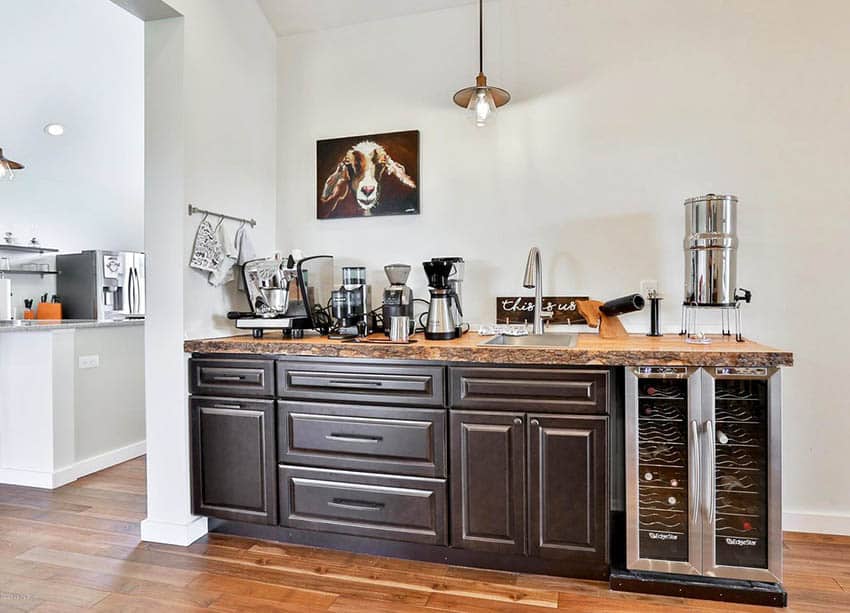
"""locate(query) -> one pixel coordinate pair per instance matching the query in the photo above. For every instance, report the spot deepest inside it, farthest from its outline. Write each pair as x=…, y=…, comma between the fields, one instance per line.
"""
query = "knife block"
x=609, y=325
x=49, y=310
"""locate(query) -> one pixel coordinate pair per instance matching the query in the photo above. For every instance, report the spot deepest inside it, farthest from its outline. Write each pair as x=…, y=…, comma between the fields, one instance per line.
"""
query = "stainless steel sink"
x=553, y=339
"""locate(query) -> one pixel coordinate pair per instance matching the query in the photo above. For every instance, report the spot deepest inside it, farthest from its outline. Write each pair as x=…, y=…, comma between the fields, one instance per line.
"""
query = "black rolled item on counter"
x=621, y=306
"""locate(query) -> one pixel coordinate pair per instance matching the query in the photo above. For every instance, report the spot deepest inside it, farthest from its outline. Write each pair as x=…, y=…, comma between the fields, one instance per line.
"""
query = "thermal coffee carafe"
x=455, y=283
x=444, y=313
x=398, y=297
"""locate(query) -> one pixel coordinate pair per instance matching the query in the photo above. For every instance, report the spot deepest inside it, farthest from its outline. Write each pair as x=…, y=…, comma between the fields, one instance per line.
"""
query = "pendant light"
x=482, y=100
x=8, y=167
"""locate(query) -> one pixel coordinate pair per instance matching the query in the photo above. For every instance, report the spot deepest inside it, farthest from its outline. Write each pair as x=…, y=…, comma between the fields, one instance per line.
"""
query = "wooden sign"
x=519, y=309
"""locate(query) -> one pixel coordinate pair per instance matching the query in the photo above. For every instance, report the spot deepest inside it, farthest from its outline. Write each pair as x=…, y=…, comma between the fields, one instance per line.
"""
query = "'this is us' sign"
x=519, y=309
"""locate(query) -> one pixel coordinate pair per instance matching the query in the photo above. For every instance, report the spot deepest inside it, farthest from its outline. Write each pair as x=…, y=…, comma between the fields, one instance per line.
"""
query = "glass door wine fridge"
x=703, y=480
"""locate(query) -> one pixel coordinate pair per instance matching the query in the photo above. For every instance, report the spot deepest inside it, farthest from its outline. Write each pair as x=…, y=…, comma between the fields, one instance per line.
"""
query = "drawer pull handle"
x=354, y=438
x=226, y=406
x=360, y=383
x=226, y=377
x=356, y=505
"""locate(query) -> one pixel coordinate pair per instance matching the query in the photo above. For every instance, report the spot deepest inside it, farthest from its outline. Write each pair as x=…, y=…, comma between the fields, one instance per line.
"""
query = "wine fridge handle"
x=694, y=453
x=709, y=473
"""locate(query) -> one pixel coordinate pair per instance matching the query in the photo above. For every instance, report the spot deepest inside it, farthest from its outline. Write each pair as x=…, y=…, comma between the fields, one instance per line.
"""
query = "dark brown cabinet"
x=567, y=489
x=233, y=459
x=532, y=484
x=488, y=481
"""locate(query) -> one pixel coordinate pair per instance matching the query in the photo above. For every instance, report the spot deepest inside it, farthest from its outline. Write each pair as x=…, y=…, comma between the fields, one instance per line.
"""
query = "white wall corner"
x=821, y=523
x=170, y=533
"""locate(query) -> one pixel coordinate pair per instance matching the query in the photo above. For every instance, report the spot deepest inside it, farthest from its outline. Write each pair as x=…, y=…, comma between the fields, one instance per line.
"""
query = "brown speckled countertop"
x=636, y=350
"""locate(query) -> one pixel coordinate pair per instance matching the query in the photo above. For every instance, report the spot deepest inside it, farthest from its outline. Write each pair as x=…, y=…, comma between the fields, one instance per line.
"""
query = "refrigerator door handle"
x=694, y=461
x=708, y=494
x=131, y=290
x=136, y=291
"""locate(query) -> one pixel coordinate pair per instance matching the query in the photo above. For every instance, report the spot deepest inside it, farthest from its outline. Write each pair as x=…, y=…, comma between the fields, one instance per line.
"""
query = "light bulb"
x=481, y=106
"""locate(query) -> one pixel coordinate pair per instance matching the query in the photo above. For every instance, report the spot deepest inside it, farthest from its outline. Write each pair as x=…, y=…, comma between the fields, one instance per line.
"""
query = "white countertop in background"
x=38, y=325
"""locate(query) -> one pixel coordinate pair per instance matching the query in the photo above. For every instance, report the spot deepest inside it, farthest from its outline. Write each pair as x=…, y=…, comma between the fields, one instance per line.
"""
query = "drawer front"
x=231, y=377
x=555, y=390
x=366, y=438
x=365, y=383
x=399, y=508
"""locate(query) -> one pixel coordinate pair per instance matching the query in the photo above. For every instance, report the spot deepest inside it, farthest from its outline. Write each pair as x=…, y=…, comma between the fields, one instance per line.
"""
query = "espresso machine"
x=287, y=295
x=444, y=313
x=398, y=297
x=351, y=304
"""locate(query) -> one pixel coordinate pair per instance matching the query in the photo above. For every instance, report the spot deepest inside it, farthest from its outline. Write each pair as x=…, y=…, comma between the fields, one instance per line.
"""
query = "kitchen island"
x=71, y=398
x=507, y=457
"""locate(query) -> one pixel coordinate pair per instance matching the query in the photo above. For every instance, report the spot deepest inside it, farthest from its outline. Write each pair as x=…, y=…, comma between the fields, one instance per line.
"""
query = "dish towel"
x=223, y=273
x=244, y=250
x=207, y=252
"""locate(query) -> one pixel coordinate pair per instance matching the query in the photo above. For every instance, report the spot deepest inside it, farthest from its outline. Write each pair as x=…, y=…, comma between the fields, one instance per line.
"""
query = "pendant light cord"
x=481, y=36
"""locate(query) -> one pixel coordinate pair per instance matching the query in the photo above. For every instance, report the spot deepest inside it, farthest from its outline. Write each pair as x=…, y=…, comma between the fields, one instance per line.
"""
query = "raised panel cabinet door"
x=568, y=488
x=488, y=481
x=233, y=459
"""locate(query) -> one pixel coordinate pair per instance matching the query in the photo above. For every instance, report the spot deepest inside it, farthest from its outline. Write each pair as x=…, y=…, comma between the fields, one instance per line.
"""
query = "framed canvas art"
x=369, y=175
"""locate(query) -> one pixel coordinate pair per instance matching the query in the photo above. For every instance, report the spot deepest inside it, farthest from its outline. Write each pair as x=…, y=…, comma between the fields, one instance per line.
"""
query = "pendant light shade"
x=482, y=100
x=8, y=167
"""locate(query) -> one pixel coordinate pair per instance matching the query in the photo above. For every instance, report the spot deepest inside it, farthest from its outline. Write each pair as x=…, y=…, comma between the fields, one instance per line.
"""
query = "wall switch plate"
x=647, y=286
x=89, y=361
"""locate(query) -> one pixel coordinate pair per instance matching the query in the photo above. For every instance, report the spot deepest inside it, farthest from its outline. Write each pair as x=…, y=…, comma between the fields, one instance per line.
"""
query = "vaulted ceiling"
x=293, y=16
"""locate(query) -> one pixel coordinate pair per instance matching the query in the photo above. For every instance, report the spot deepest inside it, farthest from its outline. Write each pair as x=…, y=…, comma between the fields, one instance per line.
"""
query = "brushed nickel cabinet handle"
x=360, y=383
x=226, y=377
x=356, y=505
x=518, y=421
x=534, y=423
x=354, y=438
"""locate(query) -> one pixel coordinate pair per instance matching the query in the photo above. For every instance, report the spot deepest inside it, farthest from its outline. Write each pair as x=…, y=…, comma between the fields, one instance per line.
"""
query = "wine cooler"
x=703, y=479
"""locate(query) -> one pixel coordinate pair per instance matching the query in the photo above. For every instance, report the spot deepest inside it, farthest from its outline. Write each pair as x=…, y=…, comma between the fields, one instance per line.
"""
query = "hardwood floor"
x=77, y=548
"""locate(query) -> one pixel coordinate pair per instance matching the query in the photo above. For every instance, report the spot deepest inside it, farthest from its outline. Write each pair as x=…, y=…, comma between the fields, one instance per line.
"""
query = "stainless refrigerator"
x=703, y=477
x=101, y=285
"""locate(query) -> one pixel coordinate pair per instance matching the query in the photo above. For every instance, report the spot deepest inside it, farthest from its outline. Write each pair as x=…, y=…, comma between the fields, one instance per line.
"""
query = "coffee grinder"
x=351, y=304
x=398, y=297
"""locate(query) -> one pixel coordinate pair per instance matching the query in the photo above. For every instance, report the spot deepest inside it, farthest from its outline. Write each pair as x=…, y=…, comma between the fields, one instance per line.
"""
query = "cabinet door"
x=568, y=488
x=233, y=459
x=488, y=481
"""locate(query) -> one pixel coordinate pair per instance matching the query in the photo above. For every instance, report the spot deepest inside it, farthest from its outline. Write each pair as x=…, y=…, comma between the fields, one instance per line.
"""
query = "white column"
x=167, y=424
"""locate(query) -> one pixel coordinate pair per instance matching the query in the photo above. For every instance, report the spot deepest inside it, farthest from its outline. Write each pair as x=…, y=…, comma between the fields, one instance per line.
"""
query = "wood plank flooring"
x=77, y=549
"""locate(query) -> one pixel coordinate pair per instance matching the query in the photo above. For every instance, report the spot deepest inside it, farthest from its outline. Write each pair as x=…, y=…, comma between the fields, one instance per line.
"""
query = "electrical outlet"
x=647, y=286
x=89, y=361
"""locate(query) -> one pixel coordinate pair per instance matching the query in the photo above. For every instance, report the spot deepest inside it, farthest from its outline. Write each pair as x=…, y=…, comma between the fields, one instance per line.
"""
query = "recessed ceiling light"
x=54, y=129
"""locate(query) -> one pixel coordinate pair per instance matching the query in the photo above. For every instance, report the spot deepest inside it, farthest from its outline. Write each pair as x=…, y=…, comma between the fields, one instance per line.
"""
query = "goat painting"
x=364, y=176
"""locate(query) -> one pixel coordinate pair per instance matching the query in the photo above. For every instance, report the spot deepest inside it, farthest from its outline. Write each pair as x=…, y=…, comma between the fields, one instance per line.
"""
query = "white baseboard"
x=173, y=534
x=822, y=523
x=28, y=478
x=63, y=476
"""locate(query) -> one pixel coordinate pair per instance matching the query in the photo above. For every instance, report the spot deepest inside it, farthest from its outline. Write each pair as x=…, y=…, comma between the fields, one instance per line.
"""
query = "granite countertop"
x=636, y=350
x=41, y=325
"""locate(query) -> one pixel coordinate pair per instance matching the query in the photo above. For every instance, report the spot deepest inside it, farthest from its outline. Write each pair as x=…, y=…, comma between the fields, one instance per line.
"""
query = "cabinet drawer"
x=555, y=390
x=399, y=508
x=368, y=383
x=231, y=377
x=367, y=438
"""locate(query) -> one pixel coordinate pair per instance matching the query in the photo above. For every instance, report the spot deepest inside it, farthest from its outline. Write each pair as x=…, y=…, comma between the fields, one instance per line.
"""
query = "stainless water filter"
x=711, y=247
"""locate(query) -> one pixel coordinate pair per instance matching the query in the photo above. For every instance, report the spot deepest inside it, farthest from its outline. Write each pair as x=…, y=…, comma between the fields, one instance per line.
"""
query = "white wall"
x=210, y=139
x=621, y=110
x=231, y=142
x=79, y=63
